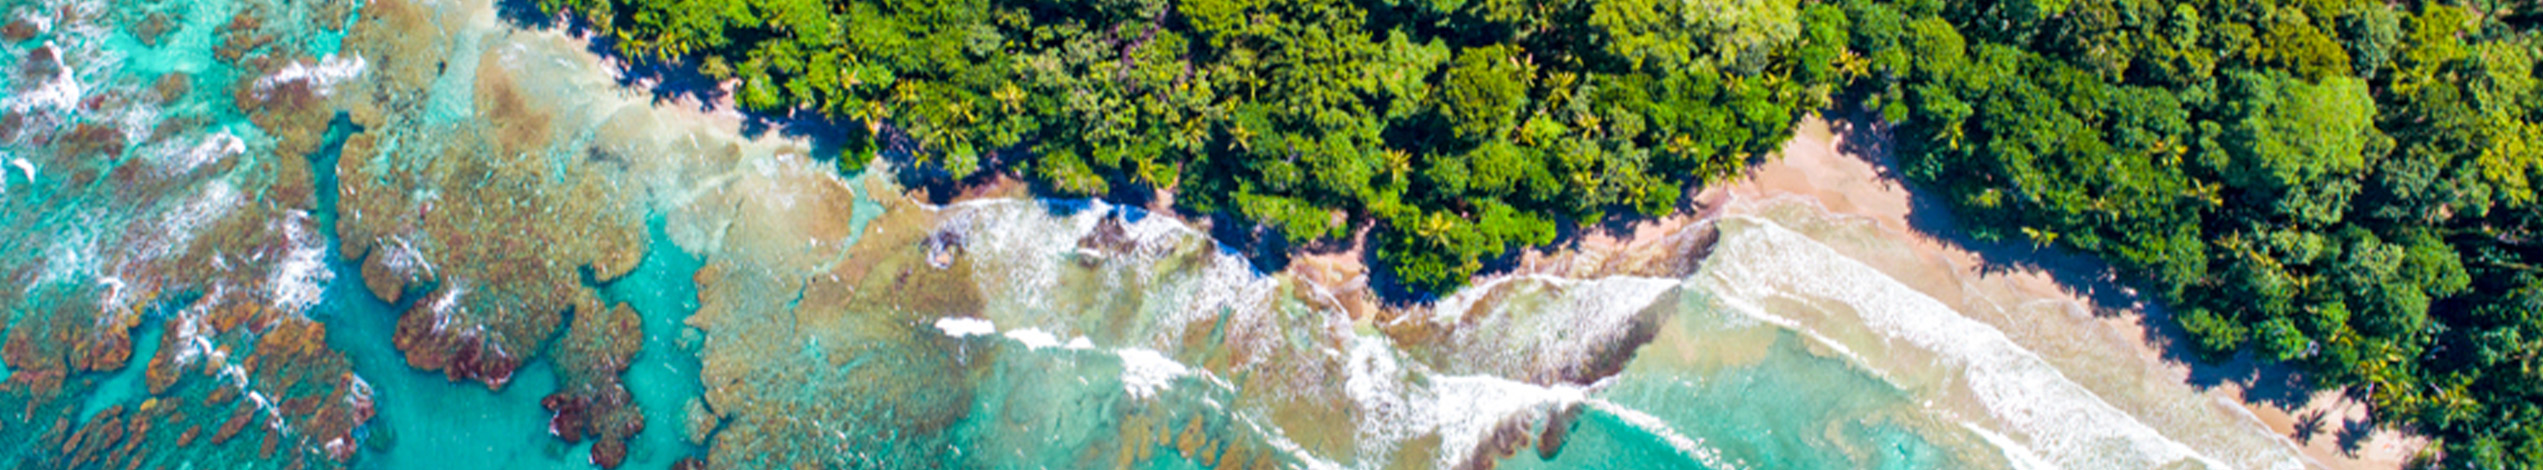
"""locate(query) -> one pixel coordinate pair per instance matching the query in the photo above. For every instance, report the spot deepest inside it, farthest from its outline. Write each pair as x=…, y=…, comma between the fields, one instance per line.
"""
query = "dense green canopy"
x=1459, y=128
x=2344, y=185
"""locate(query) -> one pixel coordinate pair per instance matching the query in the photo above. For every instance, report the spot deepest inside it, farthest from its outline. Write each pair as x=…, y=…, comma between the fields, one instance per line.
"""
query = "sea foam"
x=322, y=77
x=302, y=274
x=2068, y=425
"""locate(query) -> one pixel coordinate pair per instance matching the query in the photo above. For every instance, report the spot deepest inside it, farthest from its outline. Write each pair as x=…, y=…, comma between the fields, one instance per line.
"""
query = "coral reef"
x=176, y=268
x=464, y=190
x=593, y=403
x=473, y=216
x=783, y=329
x=493, y=236
x=49, y=344
x=241, y=36
x=171, y=86
x=17, y=30
x=152, y=28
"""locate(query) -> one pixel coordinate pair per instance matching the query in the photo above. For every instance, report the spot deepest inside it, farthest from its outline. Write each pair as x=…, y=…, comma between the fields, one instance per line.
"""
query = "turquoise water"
x=428, y=421
x=790, y=315
x=425, y=419
x=1795, y=409
x=664, y=378
x=124, y=386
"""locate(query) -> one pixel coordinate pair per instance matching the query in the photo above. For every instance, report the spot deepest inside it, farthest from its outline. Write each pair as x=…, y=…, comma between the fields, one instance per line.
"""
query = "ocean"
x=438, y=234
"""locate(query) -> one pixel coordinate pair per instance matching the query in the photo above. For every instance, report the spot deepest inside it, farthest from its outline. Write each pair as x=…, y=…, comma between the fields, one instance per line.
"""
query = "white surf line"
x=1144, y=372
x=962, y=327
x=322, y=76
x=2251, y=421
x=1692, y=448
x=2014, y=383
x=1462, y=301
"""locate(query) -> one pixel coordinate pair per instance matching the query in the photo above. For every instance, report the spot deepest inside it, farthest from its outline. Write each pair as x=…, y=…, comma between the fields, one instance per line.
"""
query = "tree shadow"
x=1263, y=247
x=524, y=14
x=2109, y=292
x=2353, y=435
x=669, y=83
x=2309, y=425
x=682, y=83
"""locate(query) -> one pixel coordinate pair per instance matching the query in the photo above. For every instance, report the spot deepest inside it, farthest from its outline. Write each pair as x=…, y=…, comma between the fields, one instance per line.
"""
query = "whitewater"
x=436, y=234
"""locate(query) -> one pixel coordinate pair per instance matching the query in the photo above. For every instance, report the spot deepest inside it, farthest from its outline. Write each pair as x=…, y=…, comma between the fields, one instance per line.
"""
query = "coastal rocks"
x=287, y=385
x=173, y=267
x=100, y=435
x=503, y=247
x=472, y=207
x=49, y=344
x=89, y=139
x=1549, y=441
x=291, y=110
x=575, y=419
x=701, y=422
x=152, y=28
x=405, y=53
x=304, y=393
x=242, y=35
x=40, y=65
x=1210, y=441
x=239, y=417
x=323, y=418
x=459, y=355
x=497, y=240
x=1493, y=328
x=18, y=30
x=171, y=86
x=593, y=402
x=809, y=352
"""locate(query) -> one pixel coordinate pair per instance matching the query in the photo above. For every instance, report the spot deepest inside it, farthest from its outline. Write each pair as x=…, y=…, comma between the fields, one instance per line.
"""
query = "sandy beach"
x=1845, y=178
x=2121, y=331
x=1819, y=164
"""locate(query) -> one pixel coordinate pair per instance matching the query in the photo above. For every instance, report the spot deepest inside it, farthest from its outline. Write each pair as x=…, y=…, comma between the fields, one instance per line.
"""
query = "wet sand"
x=1848, y=178
x=1821, y=165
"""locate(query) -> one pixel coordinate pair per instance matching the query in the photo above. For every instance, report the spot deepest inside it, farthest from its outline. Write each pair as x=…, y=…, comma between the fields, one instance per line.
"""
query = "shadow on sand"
x=1864, y=135
x=676, y=84
x=2111, y=293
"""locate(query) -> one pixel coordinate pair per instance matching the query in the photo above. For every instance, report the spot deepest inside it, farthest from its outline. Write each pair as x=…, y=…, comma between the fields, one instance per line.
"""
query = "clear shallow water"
x=664, y=377
x=785, y=314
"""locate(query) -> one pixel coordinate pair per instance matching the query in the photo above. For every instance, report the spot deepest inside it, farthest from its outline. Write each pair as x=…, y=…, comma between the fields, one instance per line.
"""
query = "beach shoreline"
x=1818, y=165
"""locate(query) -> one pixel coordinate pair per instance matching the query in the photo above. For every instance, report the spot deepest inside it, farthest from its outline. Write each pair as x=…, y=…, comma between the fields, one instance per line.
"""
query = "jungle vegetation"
x=2347, y=186
x=1457, y=129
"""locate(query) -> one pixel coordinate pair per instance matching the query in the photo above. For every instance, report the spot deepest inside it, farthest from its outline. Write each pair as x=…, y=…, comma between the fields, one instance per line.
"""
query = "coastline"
x=1819, y=166
x=763, y=279
x=2121, y=332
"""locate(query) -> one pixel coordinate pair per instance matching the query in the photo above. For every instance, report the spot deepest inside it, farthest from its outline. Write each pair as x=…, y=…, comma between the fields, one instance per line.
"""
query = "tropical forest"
x=1271, y=234
x=2347, y=186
